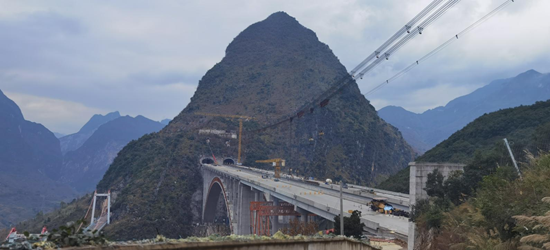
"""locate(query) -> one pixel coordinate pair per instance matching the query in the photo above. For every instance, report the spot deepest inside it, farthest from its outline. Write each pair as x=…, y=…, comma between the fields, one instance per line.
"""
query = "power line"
x=442, y=46
x=399, y=33
x=418, y=31
x=323, y=99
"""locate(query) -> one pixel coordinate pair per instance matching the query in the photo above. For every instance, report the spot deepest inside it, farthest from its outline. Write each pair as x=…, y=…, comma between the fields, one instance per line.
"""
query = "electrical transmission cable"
x=442, y=46
x=398, y=34
x=335, y=88
x=437, y=14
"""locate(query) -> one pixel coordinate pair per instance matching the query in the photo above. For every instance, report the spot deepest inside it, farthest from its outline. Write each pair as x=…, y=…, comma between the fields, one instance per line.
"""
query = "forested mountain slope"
x=29, y=157
x=269, y=70
x=526, y=127
x=426, y=130
x=84, y=167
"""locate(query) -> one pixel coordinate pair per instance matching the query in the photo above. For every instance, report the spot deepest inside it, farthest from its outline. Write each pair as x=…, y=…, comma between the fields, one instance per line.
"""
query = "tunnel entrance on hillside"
x=207, y=161
x=228, y=161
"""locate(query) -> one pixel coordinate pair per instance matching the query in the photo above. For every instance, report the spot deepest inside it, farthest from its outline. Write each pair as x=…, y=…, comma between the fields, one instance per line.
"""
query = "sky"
x=63, y=61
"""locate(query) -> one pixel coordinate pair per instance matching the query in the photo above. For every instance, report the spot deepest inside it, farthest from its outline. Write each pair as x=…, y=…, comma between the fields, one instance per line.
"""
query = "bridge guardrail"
x=363, y=192
x=291, y=196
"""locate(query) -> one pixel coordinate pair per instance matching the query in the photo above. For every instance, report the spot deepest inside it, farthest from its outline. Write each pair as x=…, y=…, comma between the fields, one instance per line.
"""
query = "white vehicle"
x=328, y=181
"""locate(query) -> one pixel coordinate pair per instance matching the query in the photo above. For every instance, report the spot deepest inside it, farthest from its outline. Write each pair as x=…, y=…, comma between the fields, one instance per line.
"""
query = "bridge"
x=241, y=186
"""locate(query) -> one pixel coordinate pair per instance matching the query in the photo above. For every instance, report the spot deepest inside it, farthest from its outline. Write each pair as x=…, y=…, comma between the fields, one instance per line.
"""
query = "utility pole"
x=513, y=159
x=341, y=211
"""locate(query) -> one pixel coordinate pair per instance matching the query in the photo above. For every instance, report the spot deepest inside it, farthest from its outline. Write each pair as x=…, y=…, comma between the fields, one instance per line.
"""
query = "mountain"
x=526, y=127
x=165, y=121
x=84, y=167
x=58, y=135
x=74, y=141
x=424, y=131
x=29, y=157
x=269, y=70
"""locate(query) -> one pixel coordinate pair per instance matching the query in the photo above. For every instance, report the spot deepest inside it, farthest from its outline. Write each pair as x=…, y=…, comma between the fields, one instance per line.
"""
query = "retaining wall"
x=311, y=244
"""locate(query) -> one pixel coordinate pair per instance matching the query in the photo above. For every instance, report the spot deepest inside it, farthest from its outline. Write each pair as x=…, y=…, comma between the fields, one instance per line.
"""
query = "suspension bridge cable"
x=442, y=46
x=335, y=88
x=398, y=34
x=434, y=16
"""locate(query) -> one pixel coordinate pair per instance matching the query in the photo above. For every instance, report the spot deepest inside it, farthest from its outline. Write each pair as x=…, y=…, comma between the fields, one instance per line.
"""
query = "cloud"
x=66, y=117
x=146, y=57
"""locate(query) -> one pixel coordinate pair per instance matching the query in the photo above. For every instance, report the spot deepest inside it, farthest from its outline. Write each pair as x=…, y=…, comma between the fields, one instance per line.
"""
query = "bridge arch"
x=207, y=160
x=215, y=190
x=229, y=161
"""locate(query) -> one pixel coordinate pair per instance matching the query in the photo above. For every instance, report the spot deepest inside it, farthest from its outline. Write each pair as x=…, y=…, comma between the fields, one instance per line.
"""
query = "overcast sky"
x=63, y=61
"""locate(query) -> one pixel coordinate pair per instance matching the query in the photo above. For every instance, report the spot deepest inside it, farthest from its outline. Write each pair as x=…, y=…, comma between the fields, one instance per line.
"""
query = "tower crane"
x=277, y=163
x=241, y=118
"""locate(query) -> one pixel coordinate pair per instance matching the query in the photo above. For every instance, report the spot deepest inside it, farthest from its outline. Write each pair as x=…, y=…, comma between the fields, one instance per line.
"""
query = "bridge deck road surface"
x=354, y=192
x=309, y=192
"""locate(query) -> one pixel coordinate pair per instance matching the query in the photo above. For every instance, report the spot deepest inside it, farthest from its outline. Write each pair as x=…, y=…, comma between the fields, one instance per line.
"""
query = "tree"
x=352, y=225
x=434, y=184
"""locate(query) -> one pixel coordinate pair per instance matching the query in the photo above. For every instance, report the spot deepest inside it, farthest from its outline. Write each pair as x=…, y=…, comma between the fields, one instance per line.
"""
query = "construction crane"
x=277, y=163
x=241, y=118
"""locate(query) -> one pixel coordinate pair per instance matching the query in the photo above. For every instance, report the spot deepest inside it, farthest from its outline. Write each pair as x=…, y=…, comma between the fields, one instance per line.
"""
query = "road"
x=319, y=195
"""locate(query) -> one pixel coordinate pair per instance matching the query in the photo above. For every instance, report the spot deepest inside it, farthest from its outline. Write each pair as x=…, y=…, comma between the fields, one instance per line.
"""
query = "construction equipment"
x=380, y=205
x=241, y=118
x=277, y=163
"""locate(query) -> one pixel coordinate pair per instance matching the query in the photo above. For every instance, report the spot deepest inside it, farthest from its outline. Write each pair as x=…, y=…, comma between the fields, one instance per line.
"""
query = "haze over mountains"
x=36, y=175
x=30, y=156
x=270, y=69
x=481, y=141
x=424, y=131
x=85, y=166
x=74, y=141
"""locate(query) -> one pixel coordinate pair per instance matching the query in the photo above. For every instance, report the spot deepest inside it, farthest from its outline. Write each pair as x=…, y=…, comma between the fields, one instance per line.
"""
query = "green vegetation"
x=527, y=127
x=353, y=227
x=493, y=216
x=537, y=234
x=269, y=70
x=71, y=235
x=398, y=182
x=481, y=143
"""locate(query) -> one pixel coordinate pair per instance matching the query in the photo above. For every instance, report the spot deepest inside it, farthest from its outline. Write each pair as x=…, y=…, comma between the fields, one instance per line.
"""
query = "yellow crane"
x=241, y=118
x=277, y=163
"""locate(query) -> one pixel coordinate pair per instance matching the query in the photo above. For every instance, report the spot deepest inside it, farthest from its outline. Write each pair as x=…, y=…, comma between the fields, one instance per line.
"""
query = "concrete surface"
x=315, y=199
x=310, y=244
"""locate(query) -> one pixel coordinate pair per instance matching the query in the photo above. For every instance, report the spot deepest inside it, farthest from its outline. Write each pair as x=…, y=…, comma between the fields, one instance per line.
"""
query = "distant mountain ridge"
x=35, y=176
x=424, y=131
x=29, y=157
x=165, y=121
x=269, y=70
x=526, y=127
x=84, y=167
x=74, y=141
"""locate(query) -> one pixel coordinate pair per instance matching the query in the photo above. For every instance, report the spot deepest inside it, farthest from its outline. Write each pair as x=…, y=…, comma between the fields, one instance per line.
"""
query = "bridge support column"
x=234, y=196
x=257, y=195
x=418, y=177
x=275, y=226
x=303, y=214
x=246, y=196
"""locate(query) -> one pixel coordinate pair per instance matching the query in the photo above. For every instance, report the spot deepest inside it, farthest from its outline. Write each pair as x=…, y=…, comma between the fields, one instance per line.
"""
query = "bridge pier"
x=303, y=214
x=275, y=223
x=240, y=186
x=418, y=176
x=247, y=195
